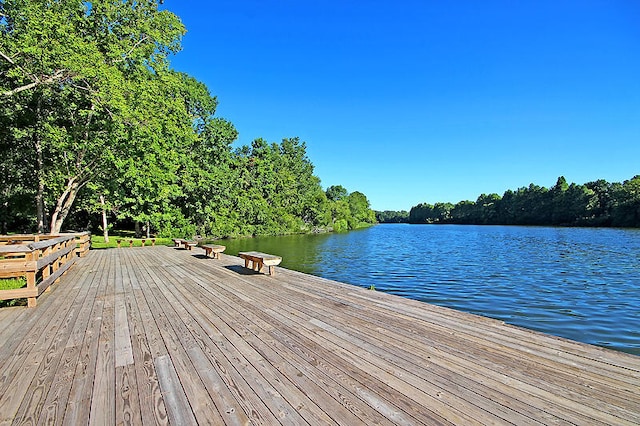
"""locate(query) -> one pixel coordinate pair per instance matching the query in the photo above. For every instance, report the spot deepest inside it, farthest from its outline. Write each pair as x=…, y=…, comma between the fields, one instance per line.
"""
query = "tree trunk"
x=40, y=179
x=63, y=206
x=148, y=230
x=3, y=222
x=105, y=225
x=137, y=229
x=40, y=206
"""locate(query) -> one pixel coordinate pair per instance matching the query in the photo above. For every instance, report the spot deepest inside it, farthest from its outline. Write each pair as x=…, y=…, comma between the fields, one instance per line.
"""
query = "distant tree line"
x=97, y=131
x=597, y=203
x=391, y=216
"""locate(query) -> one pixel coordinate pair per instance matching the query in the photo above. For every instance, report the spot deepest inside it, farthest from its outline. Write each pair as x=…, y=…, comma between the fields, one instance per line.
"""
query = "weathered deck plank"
x=128, y=409
x=178, y=341
x=476, y=351
x=361, y=354
x=79, y=405
x=174, y=396
x=164, y=336
x=308, y=408
x=58, y=392
x=103, y=403
x=294, y=367
x=326, y=358
x=494, y=354
x=35, y=358
x=267, y=386
x=144, y=336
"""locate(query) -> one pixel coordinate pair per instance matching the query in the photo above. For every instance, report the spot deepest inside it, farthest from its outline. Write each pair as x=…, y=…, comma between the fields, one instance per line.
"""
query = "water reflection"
x=583, y=284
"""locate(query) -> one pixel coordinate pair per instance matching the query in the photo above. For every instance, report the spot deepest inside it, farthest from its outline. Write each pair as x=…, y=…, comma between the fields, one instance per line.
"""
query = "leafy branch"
x=58, y=75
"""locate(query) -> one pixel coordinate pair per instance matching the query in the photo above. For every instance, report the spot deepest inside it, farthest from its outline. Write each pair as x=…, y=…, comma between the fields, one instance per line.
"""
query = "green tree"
x=391, y=216
x=173, y=111
x=211, y=188
x=597, y=203
x=627, y=206
x=361, y=213
x=421, y=213
x=443, y=211
x=337, y=193
x=68, y=71
x=464, y=212
x=487, y=209
x=94, y=123
x=275, y=189
x=602, y=210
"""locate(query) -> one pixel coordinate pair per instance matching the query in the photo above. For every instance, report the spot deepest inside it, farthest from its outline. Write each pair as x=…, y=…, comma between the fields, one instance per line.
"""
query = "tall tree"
x=68, y=73
x=337, y=192
x=361, y=213
x=627, y=209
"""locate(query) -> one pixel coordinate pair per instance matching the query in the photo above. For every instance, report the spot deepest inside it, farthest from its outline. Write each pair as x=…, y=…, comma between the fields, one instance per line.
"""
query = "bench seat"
x=185, y=243
x=213, y=249
x=259, y=260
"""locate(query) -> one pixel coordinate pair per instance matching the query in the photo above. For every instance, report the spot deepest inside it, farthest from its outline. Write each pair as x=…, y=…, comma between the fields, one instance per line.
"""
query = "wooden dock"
x=158, y=335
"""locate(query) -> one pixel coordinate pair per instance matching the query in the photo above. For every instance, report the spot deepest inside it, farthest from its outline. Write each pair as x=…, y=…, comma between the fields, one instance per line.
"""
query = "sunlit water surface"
x=578, y=283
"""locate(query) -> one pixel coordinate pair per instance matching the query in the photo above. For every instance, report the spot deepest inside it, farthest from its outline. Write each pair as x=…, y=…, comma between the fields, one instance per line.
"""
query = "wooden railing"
x=83, y=243
x=40, y=259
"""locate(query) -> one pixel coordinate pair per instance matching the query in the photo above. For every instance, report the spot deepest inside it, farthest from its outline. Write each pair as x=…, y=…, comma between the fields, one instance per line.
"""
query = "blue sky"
x=426, y=101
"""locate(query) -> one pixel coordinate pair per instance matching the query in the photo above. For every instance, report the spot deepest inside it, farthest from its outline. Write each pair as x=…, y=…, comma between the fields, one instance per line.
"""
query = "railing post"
x=55, y=263
x=47, y=270
x=31, y=276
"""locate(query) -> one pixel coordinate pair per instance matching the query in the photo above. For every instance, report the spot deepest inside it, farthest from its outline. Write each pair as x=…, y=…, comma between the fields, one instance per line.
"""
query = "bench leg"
x=272, y=270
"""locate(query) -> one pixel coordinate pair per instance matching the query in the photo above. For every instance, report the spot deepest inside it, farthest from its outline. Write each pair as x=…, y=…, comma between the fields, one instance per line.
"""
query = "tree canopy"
x=598, y=203
x=95, y=123
x=392, y=216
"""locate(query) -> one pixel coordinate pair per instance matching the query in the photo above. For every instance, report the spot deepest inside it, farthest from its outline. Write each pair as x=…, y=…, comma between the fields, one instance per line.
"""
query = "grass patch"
x=97, y=242
x=12, y=283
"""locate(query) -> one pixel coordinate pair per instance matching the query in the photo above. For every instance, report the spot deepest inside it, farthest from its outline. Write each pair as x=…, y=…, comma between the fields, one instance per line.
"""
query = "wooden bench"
x=259, y=260
x=144, y=240
x=186, y=243
x=210, y=249
x=119, y=241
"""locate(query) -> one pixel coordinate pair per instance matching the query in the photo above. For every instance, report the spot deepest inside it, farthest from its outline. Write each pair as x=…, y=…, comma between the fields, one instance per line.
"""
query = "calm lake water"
x=578, y=283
